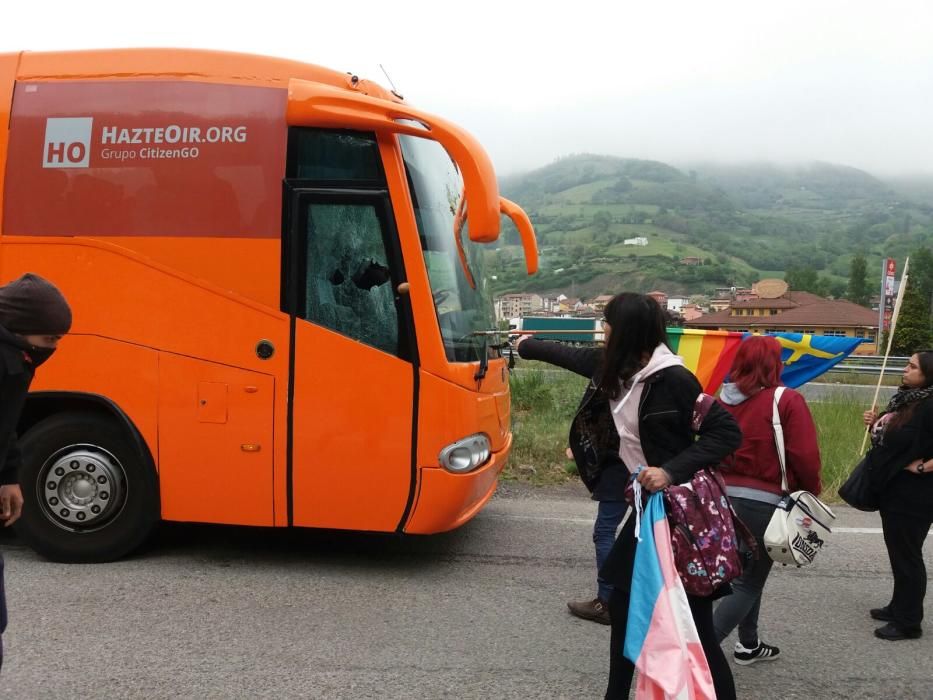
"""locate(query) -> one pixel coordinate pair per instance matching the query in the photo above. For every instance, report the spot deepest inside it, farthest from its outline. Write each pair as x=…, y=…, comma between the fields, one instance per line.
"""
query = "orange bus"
x=276, y=274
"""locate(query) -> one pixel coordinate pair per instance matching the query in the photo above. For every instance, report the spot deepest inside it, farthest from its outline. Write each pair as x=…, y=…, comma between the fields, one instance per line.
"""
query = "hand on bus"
x=11, y=503
x=654, y=478
x=869, y=417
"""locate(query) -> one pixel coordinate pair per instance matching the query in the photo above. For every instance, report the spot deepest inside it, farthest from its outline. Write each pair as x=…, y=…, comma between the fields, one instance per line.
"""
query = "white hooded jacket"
x=625, y=409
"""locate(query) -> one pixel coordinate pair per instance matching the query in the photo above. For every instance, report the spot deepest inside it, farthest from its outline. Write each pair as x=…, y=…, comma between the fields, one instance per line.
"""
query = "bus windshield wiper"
x=483, y=360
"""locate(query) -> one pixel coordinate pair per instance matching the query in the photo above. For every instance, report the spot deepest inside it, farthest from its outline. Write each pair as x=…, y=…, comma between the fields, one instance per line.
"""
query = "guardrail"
x=869, y=364
x=876, y=359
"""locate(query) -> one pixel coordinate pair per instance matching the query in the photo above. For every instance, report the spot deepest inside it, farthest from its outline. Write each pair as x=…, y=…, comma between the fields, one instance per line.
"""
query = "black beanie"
x=32, y=305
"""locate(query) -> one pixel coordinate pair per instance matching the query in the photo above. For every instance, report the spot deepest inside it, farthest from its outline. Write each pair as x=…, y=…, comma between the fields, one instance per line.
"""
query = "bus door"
x=353, y=361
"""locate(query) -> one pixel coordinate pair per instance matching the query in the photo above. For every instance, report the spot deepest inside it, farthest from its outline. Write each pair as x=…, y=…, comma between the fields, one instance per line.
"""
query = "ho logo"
x=67, y=142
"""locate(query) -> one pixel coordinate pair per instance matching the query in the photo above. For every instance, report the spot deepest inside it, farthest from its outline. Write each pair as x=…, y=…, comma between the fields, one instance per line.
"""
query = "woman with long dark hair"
x=753, y=478
x=900, y=462
x=652, y=397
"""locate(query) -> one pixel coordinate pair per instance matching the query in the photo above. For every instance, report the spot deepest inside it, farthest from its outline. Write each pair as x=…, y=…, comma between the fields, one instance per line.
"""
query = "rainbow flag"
x=708, y=354
x=661, y=638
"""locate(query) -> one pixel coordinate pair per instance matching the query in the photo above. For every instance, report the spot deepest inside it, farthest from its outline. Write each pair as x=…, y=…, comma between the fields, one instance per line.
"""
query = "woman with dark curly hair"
x=900, y=463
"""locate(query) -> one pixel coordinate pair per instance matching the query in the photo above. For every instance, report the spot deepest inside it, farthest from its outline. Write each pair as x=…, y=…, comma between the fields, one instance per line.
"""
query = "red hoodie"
x=755, y=464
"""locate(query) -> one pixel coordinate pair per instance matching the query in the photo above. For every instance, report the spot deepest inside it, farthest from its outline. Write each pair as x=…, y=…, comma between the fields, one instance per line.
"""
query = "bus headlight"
x=466, y=454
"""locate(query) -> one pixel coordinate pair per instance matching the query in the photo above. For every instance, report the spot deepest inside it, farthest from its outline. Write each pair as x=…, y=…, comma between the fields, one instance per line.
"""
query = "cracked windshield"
x=454, y=262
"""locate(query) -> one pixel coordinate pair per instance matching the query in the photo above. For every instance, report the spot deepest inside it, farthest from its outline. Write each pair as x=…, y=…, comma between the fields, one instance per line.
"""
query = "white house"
x=638, y=240
x=677, y=304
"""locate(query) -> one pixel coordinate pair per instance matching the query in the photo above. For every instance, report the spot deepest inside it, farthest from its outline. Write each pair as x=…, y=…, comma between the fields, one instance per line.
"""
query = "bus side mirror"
x=317, y=104
x=525, y=231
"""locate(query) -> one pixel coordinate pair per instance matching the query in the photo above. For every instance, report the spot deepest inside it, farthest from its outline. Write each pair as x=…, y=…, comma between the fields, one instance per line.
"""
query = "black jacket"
x=901, y=491
x=665, y=412
x=664, y=416
x=16, y=373
x=593, y=438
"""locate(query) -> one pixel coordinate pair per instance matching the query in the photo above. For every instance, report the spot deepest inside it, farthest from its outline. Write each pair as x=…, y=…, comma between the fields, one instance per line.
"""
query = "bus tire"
x=89, y=494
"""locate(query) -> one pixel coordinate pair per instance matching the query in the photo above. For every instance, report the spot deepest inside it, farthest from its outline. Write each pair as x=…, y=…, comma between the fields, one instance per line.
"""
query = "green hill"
x=743, y=222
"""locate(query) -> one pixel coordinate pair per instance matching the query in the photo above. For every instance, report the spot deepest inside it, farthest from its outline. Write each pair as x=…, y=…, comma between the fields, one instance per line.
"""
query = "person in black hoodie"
x=901, y=467
x=595, y=447
x=652, y=396
x=33, y=317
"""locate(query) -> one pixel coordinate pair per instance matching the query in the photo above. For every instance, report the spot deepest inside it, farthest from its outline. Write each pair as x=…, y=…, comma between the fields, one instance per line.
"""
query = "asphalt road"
x=215, y=612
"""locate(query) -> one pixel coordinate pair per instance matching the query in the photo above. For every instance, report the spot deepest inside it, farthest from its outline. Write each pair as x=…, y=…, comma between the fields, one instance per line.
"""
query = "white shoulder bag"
x=801, y=521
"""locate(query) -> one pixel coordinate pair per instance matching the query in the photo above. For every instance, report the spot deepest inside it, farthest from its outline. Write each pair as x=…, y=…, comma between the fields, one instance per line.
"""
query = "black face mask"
x=39, y=355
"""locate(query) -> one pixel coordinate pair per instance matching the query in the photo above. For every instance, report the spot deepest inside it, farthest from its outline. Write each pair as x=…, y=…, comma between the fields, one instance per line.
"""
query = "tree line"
x=914, y=330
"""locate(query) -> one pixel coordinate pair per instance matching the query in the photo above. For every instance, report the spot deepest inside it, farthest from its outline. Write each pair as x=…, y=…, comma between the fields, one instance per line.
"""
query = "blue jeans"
x=608, y=518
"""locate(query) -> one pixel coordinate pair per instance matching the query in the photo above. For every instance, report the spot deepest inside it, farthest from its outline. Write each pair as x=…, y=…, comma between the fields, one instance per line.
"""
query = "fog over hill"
x=742, y=222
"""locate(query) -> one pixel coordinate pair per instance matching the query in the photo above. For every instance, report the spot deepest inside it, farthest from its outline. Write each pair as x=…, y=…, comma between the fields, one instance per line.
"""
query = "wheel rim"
x=82, y=487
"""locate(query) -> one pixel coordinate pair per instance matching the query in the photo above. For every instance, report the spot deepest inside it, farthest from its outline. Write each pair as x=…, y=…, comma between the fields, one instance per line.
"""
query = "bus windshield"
x=454, y=262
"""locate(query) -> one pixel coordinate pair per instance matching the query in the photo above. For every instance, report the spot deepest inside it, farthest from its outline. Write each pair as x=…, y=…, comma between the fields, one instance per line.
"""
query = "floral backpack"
x=705, y=529
x=705, y=533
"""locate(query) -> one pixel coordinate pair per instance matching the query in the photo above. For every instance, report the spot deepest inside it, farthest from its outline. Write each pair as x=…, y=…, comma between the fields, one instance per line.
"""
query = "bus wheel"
x=90, y=496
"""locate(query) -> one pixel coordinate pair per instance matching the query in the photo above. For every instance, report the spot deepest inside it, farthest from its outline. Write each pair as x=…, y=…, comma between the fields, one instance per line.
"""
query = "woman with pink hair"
x=753, y=478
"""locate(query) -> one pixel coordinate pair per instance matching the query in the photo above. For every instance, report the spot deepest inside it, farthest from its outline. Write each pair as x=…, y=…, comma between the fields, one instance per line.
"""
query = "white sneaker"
x=763, y=652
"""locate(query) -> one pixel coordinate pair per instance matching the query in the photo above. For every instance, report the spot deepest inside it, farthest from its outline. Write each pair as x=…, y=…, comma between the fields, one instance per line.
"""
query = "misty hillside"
x=918, y=188
x=742, y=222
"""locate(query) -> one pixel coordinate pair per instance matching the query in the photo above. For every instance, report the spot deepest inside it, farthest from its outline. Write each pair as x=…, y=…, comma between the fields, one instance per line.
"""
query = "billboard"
x=888, y=293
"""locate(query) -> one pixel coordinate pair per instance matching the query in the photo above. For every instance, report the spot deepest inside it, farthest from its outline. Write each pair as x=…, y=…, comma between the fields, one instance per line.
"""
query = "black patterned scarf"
x=903, y=397
x=906, y=396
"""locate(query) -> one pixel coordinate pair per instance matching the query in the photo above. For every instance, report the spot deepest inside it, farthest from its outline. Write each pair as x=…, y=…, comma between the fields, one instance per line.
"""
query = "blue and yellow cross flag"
x=806, y=357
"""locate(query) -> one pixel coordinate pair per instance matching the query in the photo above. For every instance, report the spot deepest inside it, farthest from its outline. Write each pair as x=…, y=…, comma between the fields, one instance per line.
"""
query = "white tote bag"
x=801, y=521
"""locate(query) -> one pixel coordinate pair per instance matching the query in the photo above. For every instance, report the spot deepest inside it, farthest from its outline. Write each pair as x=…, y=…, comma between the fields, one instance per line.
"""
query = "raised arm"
x=582, y=361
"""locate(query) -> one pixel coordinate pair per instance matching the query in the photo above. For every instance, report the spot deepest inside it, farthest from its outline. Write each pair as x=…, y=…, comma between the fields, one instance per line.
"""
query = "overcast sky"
x=789, y=81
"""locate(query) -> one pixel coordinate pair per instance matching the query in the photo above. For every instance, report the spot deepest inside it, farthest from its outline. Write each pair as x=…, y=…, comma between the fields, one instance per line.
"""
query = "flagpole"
x=901, y=291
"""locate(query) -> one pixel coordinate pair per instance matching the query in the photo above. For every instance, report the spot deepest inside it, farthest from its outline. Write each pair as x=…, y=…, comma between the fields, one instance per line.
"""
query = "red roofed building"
x=599, y=303
x=797, y=312
x=660, y=297
x=691, y=312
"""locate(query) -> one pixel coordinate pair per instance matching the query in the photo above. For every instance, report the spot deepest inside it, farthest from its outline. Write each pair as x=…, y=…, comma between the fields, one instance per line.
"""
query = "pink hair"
x=757, y=364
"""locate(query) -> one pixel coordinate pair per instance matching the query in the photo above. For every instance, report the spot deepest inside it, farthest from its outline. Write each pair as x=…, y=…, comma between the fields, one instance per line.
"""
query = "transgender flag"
x=661, y=638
